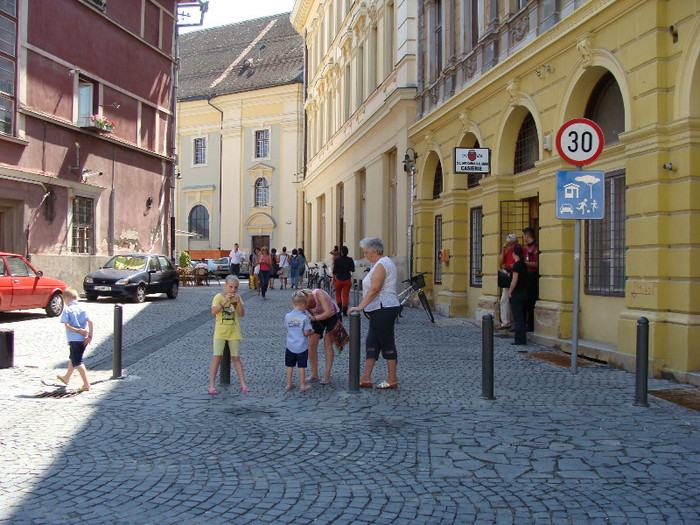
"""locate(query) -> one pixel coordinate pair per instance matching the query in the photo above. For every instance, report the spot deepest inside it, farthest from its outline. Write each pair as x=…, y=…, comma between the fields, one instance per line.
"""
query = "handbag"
x=339, y=335
x=256, y=271
x=505, y=277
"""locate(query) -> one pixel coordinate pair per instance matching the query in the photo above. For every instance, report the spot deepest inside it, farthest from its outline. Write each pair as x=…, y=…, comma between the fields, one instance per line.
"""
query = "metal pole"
x=117, y=349
x=225, y=373
x=411, y=182
x=642, y=374
x=487, y=357
x=7, y=348
x=354, y=353
x=577, y=271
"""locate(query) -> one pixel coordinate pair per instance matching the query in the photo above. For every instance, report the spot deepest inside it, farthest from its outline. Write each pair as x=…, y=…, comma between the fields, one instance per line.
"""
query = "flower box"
x=97, y=122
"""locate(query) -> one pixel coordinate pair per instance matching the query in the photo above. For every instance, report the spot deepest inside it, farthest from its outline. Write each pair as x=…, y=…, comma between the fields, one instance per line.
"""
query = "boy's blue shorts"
x=291, y=359
x=77, y=348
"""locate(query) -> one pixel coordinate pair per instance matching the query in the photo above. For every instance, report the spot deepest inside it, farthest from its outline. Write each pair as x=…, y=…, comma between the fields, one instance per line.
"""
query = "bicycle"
x=312, y=276
x=416, y=285
x=326, y=281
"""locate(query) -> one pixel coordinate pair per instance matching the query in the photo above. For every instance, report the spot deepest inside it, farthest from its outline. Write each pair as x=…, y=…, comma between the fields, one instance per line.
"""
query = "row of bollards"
x=642, y=360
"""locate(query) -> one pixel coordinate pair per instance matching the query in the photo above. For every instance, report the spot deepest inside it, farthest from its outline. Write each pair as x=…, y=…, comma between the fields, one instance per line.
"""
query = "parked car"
x=133, y=275
x=22, y=287
x=222, y=267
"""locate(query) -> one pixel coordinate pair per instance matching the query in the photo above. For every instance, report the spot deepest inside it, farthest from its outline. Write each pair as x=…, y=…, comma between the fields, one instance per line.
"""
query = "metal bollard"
x=487, y=357
x=117, y=349
x=354, y=353
x=7, y=348
x=225, y=374
x=642, y=372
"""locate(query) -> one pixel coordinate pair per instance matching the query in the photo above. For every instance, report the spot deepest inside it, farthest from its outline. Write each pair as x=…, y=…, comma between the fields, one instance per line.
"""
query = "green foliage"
x=185, y=259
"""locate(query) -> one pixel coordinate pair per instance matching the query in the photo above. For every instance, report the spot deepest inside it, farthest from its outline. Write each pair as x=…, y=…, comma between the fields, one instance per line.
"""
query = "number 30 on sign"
x=580, y=141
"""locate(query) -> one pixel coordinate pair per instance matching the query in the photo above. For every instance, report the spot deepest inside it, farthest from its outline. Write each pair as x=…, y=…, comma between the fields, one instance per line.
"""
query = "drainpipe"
x=304, y=139
x=221, y=167
x=173, y=131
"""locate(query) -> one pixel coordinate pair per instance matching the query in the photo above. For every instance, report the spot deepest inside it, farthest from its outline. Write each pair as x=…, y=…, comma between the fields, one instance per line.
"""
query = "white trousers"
x=505, y=307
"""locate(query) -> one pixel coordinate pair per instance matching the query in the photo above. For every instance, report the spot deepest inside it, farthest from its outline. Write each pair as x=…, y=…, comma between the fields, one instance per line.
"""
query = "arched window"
x=437, y=182
x=199, y=222
x=526, y=146
x=605, y=108
x=262, y=193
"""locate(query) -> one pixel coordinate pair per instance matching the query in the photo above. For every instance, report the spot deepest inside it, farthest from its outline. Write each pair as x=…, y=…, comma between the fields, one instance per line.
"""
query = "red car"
x=22, y=287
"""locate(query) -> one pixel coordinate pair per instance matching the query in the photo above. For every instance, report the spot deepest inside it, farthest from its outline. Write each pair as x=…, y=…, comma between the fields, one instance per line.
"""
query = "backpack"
x=294, y=262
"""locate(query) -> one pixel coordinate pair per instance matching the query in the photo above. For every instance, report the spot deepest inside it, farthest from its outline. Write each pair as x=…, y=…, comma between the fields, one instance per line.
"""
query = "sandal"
x=245, y=389
x=212, y=391
x=83, y=389
x=62, y=380
x=366, y=385
x=386, y=386
x=324, y=382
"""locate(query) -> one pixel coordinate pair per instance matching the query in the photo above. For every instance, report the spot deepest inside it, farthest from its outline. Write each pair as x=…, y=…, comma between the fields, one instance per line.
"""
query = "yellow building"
x=360, y=103
x=239, y=136
x=505, y=75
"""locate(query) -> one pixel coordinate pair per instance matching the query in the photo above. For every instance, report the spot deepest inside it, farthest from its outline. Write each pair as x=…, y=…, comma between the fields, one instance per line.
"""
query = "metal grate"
x=475, y=246
x=437, y=182
x=526, y=146
x=605, y=242
x=515, y=215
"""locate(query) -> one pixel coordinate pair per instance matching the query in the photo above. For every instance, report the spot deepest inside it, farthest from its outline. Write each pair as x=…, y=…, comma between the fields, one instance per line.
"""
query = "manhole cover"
x=56, y=393
x=562, y=360
x=685, y=397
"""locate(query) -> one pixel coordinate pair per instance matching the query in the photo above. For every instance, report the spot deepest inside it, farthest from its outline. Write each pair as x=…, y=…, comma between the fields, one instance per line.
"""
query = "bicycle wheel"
x=426, y=305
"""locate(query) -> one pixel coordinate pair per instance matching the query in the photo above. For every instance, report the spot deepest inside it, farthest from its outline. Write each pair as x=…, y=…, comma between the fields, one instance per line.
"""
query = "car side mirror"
x=39, y=273
x=151, y=270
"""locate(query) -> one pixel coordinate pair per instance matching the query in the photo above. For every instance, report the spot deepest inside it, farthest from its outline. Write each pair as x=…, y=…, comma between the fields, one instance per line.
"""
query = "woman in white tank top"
x=381, y=304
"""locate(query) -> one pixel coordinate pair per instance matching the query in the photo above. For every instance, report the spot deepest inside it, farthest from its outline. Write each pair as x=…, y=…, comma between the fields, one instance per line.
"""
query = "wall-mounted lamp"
x=115, y=105
x=86, y=174
x=408, y=162
x=178, y=175
x=669, y=166
x=673, y=30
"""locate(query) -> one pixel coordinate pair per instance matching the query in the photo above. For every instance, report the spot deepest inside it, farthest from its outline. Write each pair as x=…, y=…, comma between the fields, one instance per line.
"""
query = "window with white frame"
x=262, y=143
x=83, y=225
x=262, y=193
x=199, y=153
x=8, y=64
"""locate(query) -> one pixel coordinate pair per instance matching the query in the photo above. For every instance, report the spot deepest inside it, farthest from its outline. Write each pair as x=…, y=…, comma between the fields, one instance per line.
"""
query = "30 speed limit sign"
x=580, y=141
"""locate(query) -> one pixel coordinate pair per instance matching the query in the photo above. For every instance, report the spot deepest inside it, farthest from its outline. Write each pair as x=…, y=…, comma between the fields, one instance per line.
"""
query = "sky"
x=222, y=12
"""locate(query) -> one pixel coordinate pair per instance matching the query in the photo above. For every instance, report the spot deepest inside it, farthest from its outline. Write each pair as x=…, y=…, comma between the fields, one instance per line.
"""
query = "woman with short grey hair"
x=381, y=304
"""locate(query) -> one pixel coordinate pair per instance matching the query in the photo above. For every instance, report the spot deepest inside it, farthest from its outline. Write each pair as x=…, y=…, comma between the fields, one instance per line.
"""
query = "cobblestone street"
x=155, y=447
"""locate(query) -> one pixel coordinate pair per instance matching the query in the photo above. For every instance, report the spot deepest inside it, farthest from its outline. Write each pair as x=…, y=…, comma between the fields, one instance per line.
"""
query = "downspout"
x=304, y=141
x=173, y=171
x=221, y=166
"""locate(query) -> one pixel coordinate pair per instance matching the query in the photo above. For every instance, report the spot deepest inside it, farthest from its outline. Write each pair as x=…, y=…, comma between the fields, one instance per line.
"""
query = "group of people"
x=314, y=316
x=518, y=267
x=266, y=266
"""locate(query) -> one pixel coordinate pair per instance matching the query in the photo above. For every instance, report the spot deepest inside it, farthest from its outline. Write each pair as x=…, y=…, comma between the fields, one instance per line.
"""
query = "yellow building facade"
x=506, y=76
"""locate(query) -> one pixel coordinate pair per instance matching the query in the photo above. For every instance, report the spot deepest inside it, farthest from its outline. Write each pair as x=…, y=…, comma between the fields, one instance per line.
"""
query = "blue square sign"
x=580, y=195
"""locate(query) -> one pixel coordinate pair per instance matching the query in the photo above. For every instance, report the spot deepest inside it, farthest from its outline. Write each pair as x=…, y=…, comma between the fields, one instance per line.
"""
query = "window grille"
x=605, y=242
x=437, y=269
x=262, y=143
x=262, y=192
x=199, y=222
x=200, y=151
x=474, y=178
x=526, y=146
x=437, y=182
x=606, y=108
x=475, y=246
x=83, y=225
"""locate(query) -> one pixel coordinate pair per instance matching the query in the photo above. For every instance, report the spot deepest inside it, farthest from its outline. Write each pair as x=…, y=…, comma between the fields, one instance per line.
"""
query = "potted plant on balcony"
x=101, y=123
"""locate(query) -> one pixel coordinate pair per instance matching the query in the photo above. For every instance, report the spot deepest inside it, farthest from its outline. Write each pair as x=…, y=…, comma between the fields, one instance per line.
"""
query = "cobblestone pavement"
x=156, y=448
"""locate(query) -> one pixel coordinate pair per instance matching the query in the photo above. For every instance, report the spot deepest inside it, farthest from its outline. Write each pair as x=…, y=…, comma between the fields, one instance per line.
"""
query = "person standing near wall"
x=532, y=260
x=505, y=266
x=342, y=271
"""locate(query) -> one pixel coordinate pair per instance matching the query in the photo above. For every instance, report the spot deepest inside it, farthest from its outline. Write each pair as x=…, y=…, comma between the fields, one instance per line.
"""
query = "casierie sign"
x=472, y=160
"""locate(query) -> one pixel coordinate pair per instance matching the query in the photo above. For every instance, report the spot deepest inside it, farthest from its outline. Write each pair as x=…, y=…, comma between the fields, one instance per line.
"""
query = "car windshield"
x=126, y=262
x=220, y=261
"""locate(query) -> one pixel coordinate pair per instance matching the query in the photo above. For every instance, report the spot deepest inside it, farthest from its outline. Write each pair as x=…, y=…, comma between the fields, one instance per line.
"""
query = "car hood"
x=50, y=282
x=111, y=273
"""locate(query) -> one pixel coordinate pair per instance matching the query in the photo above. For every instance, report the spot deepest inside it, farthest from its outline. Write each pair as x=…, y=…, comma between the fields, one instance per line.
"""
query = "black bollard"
x=7, y=348
x=642, y=374
x=354, y=353
x=117, y=349
x=225, y=374
x=487, y=357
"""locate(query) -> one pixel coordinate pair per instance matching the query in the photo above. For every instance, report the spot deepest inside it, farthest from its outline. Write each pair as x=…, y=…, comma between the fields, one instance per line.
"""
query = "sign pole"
x=577, y=278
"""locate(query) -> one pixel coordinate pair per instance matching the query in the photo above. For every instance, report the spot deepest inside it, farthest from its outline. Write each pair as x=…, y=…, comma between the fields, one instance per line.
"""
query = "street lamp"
x=409, y=166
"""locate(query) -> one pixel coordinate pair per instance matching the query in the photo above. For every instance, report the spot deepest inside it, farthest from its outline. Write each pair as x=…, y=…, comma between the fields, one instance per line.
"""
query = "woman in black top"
x=518, y=294
x=342, y=271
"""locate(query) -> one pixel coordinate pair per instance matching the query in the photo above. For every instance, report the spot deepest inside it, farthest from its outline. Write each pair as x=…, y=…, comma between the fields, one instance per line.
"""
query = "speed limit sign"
x=580, y=141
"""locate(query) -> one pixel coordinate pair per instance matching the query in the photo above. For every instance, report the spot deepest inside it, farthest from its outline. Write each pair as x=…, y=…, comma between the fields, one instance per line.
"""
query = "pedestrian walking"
x=255, y=269
x=532, y=260
x=228, y=309
x=275, y=268
x=324, y=316
x=294, y=268
x=517, y=294
x=79, y=334
x=236, y=257
x=284, y=265
x=381, y=304
x=505, y=267
x=265, y=262
x=302, y=267
x=342, y=273
x=299, y=329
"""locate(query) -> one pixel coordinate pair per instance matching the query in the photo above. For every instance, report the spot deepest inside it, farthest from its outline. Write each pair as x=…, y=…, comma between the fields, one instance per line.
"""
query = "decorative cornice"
x=584, y=47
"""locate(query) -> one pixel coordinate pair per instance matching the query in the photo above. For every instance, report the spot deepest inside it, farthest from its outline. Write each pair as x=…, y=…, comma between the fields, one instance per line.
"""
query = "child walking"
x=79, y=333
x=299, y=329
x=228, y=309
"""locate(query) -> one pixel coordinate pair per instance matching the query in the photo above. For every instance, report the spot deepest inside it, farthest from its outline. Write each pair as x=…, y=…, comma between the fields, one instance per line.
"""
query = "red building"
x=86, y=115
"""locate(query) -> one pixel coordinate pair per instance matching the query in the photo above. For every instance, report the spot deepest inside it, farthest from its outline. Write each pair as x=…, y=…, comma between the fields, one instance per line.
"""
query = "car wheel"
x=174, y=289
x=55, y=305
x=90, y=297
x=140, y=295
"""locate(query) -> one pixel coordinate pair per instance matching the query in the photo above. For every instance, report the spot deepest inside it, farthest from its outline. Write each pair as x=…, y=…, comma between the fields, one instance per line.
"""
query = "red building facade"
x=86, y=115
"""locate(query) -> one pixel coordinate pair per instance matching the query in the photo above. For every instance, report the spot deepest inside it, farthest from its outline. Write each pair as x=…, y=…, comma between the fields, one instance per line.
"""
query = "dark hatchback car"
x=133, y=276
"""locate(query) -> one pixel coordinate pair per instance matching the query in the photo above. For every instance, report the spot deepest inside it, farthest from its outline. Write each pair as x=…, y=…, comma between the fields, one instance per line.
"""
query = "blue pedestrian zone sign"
x=580, y=195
